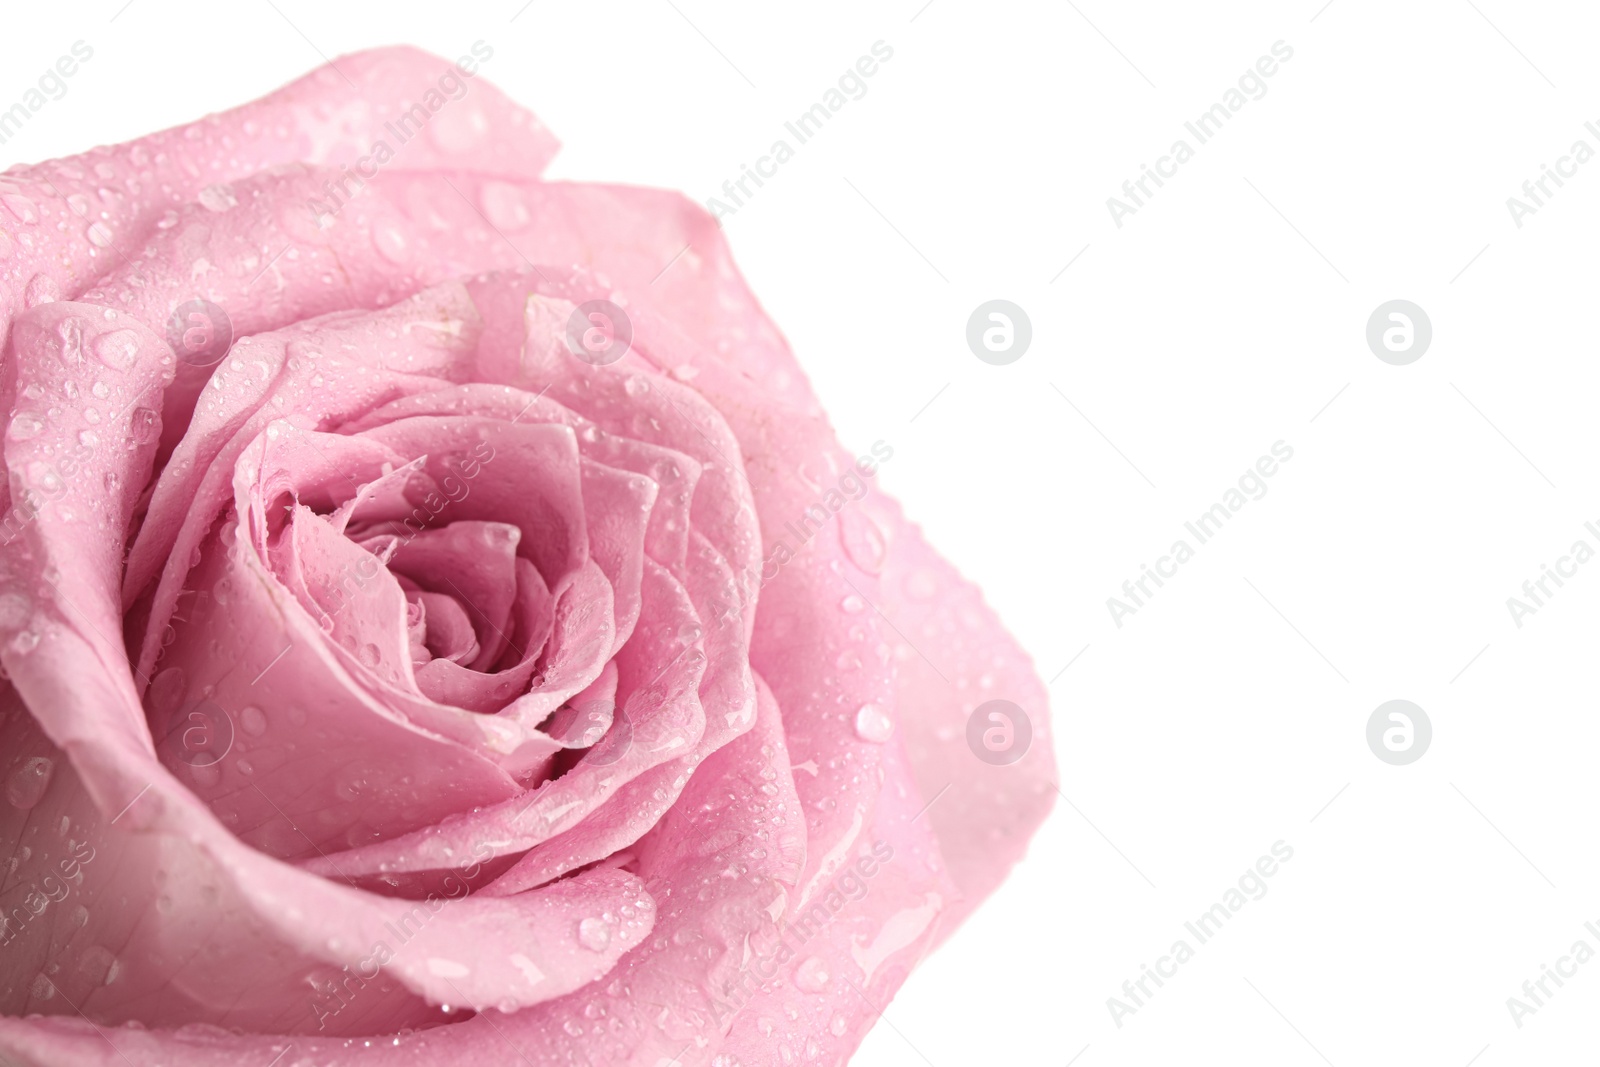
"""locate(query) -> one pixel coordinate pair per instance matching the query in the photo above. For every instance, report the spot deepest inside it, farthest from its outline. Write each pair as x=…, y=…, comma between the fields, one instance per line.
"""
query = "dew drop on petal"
x=24, y=209
x=14, y=609
x=873, y=724
x=146, y=424
x=863, y=541
x=25, y=427
x=458, y=129
x=811, y=975
x=218, y=198
x=42, y=289
x=390, y=243
x=117, y=349
x=594, y=934
x=28, y=782
x=254, y=721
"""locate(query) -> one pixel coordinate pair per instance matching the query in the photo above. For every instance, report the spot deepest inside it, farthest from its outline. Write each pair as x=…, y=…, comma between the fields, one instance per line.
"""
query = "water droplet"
x=873, y=724
x=117, y=349
x=370, y=655
x=254, y=721
x=863, y=541
x=43, y=477
x=503, y=206
x=24, y=642
x=594, y=934
x=98, y=965
x=100, y=235
x=28, y=782
x=14, y=610
x=146, y=424
x=167, y=690
x=458, y=129
x=42, y=988
x=25, y=427
x=218, y=198
x=852, y=605
x=71, y=333
x=24, y=209
x=42, y=289
x=390, y=243
x=811, y=975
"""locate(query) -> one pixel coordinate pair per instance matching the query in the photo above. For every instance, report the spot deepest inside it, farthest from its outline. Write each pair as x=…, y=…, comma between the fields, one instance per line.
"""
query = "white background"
x=1222, y=317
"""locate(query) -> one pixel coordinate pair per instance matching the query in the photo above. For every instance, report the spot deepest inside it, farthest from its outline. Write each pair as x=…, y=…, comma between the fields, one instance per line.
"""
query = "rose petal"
x=659, y=672
x=270, y=376
x=475, y=561
x=728, y=695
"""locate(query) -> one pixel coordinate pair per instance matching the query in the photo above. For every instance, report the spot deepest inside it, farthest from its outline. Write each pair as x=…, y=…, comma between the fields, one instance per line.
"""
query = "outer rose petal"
x=991, y=812
x=855, y=946
x=317, y=119
x=655, y=1008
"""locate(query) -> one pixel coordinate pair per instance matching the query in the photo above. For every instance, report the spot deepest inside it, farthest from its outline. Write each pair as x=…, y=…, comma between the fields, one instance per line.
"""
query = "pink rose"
x=492, y=656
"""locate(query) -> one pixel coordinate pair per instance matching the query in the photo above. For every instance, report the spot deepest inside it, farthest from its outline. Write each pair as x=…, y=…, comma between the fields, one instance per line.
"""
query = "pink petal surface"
x=434, y=636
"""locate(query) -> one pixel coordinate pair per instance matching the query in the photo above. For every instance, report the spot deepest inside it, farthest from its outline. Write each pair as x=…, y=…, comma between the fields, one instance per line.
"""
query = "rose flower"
x=441, y=627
